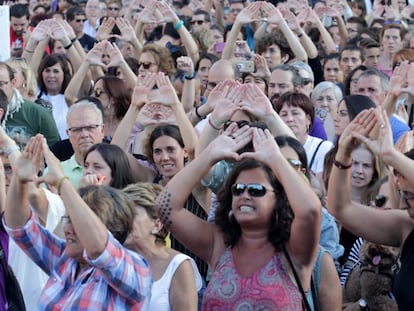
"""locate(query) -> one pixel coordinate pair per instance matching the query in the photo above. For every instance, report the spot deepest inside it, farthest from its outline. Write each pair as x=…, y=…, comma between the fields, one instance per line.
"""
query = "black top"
x=192, y=206
x=403, y=283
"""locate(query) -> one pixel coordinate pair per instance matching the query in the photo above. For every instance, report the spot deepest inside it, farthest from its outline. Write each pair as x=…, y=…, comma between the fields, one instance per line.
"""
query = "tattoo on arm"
x=164, y=207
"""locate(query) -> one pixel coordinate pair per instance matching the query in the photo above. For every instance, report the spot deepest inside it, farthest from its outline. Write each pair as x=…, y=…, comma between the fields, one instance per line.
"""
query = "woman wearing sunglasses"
x=255, y=235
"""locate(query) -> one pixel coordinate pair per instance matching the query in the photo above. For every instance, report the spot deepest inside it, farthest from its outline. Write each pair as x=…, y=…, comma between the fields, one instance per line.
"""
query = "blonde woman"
x=176, y=277
x=25, y=78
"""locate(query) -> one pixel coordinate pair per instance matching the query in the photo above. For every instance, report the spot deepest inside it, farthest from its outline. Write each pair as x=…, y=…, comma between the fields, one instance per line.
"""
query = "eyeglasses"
x=296, y=164
x=3, y=83
x=79, y=129
x=392, y=22
x=80, y=20
x=110, y=8
x=196, y=22
x=146, y=65
x=65, y=220
x=240, y=123
x=254, y=190
x=98, y=92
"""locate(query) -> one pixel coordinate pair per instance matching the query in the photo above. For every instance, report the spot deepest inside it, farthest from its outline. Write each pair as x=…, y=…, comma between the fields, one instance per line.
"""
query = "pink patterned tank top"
x=268, y=289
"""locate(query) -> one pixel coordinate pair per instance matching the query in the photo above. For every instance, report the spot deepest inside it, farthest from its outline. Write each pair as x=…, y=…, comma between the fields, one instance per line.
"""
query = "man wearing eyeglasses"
x=85, y=129
x=76, y=18
x=200, y=19
x=23, y=118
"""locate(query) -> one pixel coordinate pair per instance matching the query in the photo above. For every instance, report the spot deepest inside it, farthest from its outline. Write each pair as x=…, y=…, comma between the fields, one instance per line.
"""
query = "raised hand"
x=127, y=32
x=167, y=12
x=400, y=80
x=94, y=56
x=249, y=14
x=58, y=32
x=362, y=125
x=262, y=70
x=292, y=21
x=41, y=31
x=54, y=169
x=265, y=147
x=166, y=92
x=141, y=93
x=382, y=142
x=29, y=162
x=257, y=102
x=105, y=29
x=114, y=54
x=226, y=145
x=185, y=64
x=228, y=102
x=69, y=30
x=147, y=15
x=274, y=16
x=92, y=179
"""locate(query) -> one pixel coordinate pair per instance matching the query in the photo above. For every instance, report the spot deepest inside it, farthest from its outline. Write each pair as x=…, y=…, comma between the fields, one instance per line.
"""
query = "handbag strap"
x=314, y=155
x=298, y=282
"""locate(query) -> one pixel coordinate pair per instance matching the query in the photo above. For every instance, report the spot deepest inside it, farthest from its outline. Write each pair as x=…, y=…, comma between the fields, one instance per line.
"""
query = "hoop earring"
x=231, y=216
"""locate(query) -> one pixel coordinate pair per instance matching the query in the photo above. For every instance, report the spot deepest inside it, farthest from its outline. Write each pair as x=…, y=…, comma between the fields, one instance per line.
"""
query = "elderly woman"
x=90, y=269
x=255, y=236
x=325, y=98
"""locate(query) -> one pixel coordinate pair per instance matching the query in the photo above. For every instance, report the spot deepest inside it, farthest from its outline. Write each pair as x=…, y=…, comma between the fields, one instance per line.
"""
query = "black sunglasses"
x=146, y=65
x=80, y=20
x=240, y=123
x=254, y=190
x=196, y=22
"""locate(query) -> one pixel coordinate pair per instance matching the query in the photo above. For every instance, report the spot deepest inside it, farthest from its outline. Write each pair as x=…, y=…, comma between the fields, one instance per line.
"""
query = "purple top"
x=318, y=130
x=4, y=241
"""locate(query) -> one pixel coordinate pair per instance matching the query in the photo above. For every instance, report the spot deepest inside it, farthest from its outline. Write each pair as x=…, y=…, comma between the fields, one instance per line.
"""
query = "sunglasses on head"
x=196, y=22
x=254, y=190
x=146, y=65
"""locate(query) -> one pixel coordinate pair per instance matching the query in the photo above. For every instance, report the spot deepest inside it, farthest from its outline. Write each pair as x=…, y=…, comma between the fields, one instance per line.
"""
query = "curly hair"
x=282, y=217
x=112, y=206
x=162, y=56
x=144, y=195
x=278, y=38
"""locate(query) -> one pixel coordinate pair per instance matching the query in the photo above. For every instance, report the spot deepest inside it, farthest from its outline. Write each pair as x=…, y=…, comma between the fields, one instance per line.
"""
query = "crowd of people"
x=206, y=154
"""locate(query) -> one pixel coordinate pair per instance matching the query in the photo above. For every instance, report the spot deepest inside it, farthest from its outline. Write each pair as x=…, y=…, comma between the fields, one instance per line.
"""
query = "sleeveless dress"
x=403, y=282
x=160, y=292
x=269, y=288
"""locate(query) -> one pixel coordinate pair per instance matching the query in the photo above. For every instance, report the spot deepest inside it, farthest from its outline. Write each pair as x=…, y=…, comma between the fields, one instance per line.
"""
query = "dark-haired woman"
x=108, y=165
x=53, y=77
x=255, y=243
